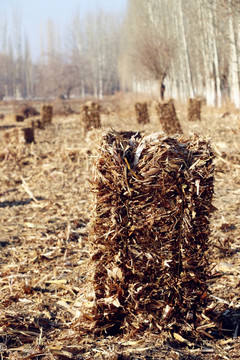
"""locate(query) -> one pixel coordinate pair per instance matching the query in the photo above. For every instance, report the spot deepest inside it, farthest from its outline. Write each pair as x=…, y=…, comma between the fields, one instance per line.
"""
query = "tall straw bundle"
x=46, y=114
x=194, y=109
x=168, y=117
x=149, y=232
x=142, y=114
x=28, y=134
x=90, y=116
x=18, y=136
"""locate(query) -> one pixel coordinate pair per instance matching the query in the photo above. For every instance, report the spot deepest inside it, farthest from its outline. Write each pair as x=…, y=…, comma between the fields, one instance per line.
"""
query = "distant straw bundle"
x=90, y=116
x=142, y=114
x=14, y=117
x=26, y=110
x=18, y=118
x=194, y=109
x=168, y=117
x=16, y=136
x=28, y=134
x=46, y=114
x=149, y=232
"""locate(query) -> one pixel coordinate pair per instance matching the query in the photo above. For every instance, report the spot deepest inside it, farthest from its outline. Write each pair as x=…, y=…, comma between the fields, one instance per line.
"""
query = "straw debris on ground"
x=45, y=255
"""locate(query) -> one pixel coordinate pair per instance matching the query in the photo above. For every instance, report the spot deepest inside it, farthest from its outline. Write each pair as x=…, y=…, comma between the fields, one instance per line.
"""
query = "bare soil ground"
x=45, y=208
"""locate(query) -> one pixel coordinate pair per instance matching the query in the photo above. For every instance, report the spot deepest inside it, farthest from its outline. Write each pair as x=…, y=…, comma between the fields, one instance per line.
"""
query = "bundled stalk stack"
x=168, y=117
x=142, y=114
x=194, y=109
x=149, y=232
x=18, y=118
x=18, y=136
x=26, y=111
x=46, y=114
x=28, y=134
x=91, y=116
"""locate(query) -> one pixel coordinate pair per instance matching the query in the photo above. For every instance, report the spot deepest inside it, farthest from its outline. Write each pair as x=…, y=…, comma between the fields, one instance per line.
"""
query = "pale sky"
x=34, y=14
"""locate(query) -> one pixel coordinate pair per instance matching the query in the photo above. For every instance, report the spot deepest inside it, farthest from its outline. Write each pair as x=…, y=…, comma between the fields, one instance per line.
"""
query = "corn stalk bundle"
x=168, y=117
x=28, y=133
x=142, y=114
x=194, y=109
x=46, y=114
x=16, y=136
x=26, y=111
x=149, y=231
x=18, y=118
x=91, y=116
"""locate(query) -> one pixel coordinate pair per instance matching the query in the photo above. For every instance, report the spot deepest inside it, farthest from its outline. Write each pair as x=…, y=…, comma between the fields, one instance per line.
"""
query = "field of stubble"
x=45, y=208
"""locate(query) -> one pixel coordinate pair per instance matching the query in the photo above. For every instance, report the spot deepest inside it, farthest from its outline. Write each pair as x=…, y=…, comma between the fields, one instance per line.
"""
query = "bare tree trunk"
x=208, y=70
x=27, y=70
x=218, y=100
x=185, y=50
x=234, y=65
x=82, y=89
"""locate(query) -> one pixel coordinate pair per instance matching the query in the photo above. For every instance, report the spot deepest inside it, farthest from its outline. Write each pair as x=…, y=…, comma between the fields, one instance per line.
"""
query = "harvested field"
x=45, y=210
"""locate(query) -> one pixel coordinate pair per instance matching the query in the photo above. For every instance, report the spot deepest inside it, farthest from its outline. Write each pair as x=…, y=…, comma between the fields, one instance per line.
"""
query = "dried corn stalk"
x=142, y=114
x=149, y=232
x=168, y=117
x=194, y=109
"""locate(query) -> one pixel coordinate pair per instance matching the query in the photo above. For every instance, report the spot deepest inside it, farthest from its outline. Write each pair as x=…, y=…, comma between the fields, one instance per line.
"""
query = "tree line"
x=190, y=46
x=84, y=62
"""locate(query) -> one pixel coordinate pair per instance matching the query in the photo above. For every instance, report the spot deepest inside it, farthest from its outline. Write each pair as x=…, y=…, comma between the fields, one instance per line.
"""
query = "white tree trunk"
x=233, y=65
x=185, y=50
x=215, y=59
x=206, y=37
x=82, y=89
